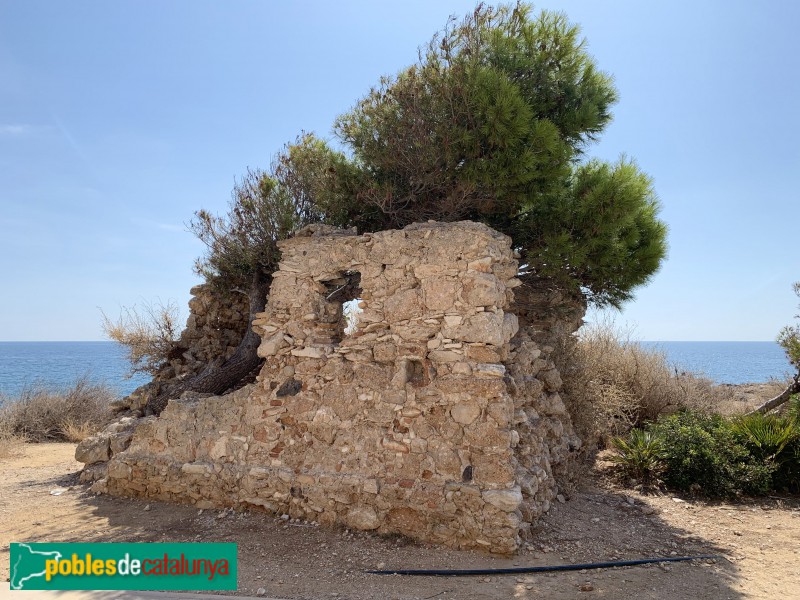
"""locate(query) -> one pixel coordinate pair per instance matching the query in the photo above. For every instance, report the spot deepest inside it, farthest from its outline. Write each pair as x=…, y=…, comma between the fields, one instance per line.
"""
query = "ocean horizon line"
x=59, y=362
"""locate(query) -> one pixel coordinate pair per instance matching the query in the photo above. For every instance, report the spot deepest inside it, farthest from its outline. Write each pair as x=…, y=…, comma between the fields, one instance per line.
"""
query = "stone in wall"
x=436, y=418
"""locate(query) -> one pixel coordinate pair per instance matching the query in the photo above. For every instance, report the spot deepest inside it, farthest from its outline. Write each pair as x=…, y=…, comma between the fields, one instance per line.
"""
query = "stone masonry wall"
x=214, y=328
x=435, y=418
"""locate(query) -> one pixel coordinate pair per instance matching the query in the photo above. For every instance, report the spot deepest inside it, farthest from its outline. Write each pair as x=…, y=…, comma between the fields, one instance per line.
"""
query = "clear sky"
x=119, y=119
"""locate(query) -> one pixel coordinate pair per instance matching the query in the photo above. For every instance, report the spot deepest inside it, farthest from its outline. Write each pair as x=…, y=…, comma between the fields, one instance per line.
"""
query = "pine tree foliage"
x=302, y=186
x=602, y=231
x=492, y=124
x=789, y=337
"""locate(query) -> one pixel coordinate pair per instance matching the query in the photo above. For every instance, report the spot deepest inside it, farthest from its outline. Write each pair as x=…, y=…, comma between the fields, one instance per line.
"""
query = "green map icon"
x=122, y=566
x=28, y=564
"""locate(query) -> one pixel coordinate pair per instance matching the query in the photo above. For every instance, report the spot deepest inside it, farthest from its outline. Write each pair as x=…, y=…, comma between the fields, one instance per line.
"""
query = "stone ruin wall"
x=214, y=328
x=435, y=418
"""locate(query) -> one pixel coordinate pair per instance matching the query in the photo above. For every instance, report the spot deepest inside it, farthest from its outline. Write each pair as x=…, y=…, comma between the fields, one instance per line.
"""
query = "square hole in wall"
x=341, y=310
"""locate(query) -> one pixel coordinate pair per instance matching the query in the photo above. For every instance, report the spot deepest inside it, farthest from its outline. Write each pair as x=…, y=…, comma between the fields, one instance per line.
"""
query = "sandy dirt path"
x=759, y=542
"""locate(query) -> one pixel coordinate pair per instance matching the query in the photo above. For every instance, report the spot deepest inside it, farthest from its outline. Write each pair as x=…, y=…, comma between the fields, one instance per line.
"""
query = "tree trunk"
x=218, y=379
x=793, y=388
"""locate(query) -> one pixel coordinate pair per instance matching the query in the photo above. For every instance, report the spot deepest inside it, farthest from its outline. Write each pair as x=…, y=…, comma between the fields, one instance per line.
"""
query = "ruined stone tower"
x=430, y=414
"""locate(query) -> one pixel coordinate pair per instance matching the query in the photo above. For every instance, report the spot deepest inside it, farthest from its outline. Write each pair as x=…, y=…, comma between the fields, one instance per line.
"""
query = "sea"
x=56, y=365
x=727, y=362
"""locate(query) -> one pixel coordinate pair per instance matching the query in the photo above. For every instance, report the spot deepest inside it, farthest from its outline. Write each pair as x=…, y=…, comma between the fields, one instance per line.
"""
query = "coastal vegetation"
x=148, y=334
x=612, y=384
x=706, y=454
x=493, y=124
x=699, y=451
x=789, y=340
x=41, y=414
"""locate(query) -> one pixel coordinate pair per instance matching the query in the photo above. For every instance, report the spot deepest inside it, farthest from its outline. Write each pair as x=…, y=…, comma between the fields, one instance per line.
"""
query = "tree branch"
x=782, y=398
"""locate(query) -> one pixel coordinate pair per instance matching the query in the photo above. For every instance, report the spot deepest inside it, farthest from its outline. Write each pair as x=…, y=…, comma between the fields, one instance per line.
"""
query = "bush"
x=787, y=476
x=714, y=456
x=704, y=455
x=640, y=456
x=767, y=436
x=774, y=440
x=613, y=384
x=42, y=415
x=10, y=444
x=793, y=410
x=148, y=334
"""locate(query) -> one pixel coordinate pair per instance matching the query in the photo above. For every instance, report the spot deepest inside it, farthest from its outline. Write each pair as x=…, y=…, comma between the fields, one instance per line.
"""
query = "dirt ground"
x=759, y=542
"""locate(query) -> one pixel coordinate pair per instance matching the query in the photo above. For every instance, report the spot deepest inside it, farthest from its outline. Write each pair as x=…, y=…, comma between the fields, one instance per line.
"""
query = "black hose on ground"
x=548, y=569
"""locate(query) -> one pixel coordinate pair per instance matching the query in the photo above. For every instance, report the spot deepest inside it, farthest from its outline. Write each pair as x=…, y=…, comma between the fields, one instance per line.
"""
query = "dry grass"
x=39, y=414
x=10, y=444
x=148, y=334
x=741, y=399
x=612, y=383
x=77, y=431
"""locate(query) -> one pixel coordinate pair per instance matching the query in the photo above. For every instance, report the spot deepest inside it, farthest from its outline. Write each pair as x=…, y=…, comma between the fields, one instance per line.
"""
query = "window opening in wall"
x=342, y=296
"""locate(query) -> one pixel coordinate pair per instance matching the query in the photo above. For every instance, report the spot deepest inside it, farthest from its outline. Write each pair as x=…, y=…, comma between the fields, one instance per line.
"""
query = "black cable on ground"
x=548, y=569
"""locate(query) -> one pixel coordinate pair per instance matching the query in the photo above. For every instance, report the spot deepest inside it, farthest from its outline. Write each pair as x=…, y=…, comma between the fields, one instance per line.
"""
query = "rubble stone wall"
x=214, y=328
x=432, y=416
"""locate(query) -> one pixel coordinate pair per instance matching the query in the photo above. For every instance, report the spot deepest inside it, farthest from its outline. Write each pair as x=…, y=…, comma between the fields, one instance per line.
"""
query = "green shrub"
x=767, y=436
x=704, y=455
x=640, y=456
x=775, y=440
x=793, y=411
x=787, y=475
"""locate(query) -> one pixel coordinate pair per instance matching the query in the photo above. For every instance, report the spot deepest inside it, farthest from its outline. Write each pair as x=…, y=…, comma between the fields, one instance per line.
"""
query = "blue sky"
x=119, y=119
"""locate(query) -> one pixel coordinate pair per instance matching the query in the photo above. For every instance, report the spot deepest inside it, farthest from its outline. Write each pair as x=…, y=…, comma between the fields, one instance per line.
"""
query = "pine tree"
x=492, y=124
